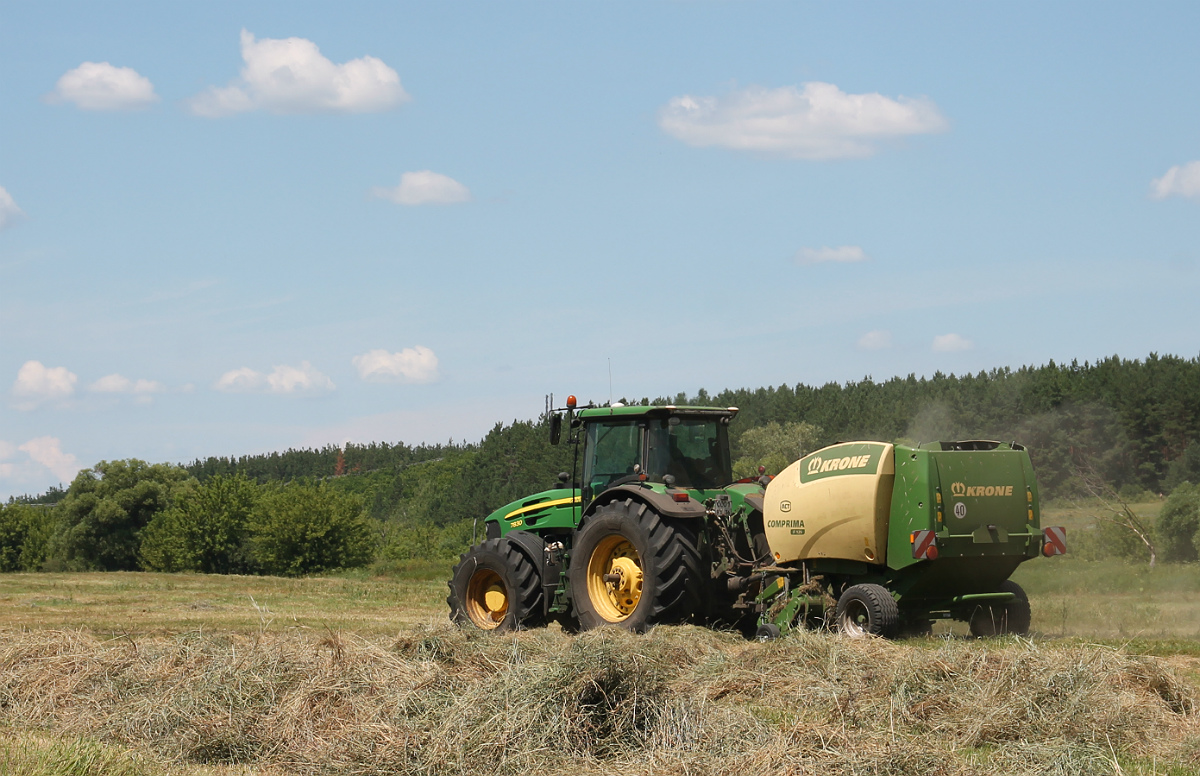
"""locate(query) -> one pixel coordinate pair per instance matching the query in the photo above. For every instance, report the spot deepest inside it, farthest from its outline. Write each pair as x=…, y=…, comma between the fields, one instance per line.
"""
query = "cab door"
x=611, y=451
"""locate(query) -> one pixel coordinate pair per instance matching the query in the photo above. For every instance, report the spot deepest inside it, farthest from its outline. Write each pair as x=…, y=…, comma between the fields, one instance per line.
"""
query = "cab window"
x=695, y=451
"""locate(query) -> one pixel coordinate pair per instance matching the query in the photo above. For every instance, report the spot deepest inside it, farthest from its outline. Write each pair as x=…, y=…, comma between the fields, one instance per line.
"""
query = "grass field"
x=140, y=603
x=132, y=674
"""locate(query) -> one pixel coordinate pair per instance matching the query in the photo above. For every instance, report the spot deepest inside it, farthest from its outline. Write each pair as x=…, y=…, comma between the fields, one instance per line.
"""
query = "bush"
x=1106, y=540
x=1178, y=523
x=1136, y=494
x=302, y=528
x=105, y=511
x=428, y=542
x=24, y=531
x=206, y=530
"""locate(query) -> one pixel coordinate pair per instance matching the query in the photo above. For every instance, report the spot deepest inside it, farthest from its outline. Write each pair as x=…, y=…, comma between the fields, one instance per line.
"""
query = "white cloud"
x=36, y=383
x=115, y=383
x=10, y=214
x=845, y=254
x=950, y=343
x=101, y=86
x=875, y=340
x=48, y=452
x=424, y=187
x=1179, y=181
x=291, y=75
x=282, y=379
x=304, y=379
x=244, y=380
x=411, y=365
x=819, y=121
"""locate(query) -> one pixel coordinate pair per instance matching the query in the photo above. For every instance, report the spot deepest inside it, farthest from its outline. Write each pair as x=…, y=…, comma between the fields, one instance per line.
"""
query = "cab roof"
x=653, y=410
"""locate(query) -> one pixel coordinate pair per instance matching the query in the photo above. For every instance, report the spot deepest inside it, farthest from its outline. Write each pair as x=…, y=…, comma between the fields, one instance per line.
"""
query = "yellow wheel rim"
x=487, y=599
x=614, y=578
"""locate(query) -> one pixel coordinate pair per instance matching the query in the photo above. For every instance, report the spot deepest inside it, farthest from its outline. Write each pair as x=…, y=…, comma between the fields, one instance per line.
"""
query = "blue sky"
x=230, y=228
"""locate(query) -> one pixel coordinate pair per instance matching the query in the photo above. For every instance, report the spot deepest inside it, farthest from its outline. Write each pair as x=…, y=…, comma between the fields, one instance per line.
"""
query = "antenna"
x=610, y=382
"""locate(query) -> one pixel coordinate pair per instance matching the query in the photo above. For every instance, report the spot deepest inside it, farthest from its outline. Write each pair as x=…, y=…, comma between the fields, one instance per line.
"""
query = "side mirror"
x=555, y=428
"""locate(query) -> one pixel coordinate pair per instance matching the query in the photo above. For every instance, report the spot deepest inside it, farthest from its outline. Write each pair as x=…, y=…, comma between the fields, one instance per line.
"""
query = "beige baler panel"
x=833, y=503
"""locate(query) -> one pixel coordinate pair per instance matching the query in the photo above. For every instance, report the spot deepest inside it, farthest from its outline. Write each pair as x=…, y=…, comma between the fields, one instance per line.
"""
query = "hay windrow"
x=442, y=700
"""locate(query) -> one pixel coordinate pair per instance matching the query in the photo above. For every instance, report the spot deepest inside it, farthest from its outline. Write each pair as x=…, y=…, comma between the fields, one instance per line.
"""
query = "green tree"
x=1178, y=523
x=774, y=446
x=305, y=528
x=24, y=531
x=205, y=530
x=105, y=510
x=1184, y=469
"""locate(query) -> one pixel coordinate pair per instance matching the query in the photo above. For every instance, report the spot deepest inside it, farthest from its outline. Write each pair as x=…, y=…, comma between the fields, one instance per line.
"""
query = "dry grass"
x=133, y=674
x=438, y=700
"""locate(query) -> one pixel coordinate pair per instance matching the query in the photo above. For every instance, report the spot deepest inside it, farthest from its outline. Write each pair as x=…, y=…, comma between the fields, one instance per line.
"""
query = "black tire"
x=495, y=586
x=656, y=561
x=768, y=632
x=998, y=619
x=867, y=610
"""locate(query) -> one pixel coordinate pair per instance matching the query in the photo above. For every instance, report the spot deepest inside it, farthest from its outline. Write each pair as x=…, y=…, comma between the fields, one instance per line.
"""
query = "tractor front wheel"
x=1008, y=617
x=496, y=587
x=867, y=610
x=633, y=568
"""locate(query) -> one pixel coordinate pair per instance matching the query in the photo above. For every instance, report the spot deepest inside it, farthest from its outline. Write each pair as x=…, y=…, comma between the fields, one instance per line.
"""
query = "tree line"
x=1134, y=424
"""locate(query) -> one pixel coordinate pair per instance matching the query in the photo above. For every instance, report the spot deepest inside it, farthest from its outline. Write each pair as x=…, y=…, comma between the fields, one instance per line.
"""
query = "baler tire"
x=867, y=610
x=656, y=558
x=1009, y=617
x=496, y=587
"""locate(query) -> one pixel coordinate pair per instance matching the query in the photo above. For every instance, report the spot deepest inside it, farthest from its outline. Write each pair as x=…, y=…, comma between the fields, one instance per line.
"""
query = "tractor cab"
x=680, y=447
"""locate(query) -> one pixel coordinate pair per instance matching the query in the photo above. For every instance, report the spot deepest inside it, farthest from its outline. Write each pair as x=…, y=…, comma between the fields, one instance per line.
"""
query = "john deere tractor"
x=651, y=528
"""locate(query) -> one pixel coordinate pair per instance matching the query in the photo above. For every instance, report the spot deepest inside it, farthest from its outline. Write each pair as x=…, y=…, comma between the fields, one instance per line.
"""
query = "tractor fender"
x=530, y=545
x=659, y=502
x=754, y=501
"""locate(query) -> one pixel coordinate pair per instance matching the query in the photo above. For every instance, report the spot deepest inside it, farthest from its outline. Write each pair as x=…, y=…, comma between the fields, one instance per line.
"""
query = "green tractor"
x=864, y=537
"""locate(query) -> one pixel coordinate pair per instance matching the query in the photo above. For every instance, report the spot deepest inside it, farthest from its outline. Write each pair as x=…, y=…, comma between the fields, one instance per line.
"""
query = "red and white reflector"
x=1054, y=541
x=924, y=545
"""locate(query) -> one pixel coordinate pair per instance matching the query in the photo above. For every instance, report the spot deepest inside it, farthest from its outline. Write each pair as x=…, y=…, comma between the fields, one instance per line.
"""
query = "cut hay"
x=439, y=700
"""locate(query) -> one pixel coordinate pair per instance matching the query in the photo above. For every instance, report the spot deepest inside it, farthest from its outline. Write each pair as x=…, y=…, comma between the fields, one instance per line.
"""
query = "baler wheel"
x=633, y=568
x=496, y=587
x=1003, y=618
x=867, y=610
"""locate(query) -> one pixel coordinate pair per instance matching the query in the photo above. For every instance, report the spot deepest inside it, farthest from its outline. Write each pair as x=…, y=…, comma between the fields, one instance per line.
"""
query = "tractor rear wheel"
x=867, y=610
x=633, y=568
x=495, y=586
x=1002, y=618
